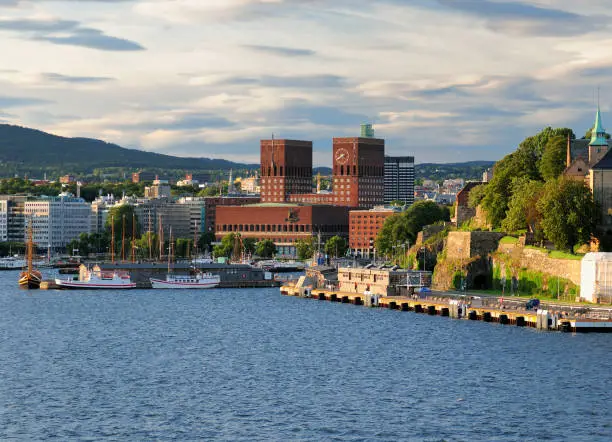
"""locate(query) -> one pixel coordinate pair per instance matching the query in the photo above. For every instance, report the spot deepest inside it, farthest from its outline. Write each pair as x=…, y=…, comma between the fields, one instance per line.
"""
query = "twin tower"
x=357, y=177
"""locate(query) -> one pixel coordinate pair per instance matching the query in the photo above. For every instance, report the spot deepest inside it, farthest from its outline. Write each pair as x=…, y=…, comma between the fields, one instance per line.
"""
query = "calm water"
x=253, y=365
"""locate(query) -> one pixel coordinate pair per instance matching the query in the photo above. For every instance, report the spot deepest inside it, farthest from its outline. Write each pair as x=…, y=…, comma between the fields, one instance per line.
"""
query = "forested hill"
x=24, y=150
x=471, y=170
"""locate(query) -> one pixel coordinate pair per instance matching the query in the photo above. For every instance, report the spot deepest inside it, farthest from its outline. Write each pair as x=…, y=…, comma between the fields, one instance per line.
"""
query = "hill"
x=471, y=170
x=30, y=151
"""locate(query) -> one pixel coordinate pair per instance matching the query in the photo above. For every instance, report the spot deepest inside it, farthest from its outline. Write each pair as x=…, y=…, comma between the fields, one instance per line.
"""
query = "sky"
x=443, y=80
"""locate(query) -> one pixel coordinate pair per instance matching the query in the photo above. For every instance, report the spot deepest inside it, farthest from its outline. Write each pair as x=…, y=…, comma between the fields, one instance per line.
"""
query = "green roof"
x=598, y=135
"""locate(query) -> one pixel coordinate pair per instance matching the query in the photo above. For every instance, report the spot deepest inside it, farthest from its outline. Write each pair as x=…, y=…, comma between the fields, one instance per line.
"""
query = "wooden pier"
x=458, y=309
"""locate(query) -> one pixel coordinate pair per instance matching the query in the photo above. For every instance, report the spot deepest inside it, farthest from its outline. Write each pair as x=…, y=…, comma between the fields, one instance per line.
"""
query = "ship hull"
x=163, y=284
x=80, y=285
x=29, y=281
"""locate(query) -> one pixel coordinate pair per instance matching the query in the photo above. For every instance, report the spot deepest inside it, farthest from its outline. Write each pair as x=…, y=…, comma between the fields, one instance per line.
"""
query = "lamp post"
x=424, y=265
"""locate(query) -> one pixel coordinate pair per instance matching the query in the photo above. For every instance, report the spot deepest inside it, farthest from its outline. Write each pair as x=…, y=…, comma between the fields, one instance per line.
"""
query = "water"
x=253, y=365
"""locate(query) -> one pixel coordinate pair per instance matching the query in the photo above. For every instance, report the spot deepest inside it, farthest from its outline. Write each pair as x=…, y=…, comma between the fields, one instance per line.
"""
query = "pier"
x=463, y=307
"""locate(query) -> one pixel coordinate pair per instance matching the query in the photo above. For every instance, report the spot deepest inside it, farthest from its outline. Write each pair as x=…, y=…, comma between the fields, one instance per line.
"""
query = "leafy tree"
x=397, y=203
x=183, y=247
x=148, y=245
x=10, y=248
x=205, y=240
x=568, y=213
x=476, y=195
x=404, y=227
x=305, y=248
x=249, y=245
x=553, y=160
x=522, y=209
x=336, y=246
x=265, y=248
x=226, y=248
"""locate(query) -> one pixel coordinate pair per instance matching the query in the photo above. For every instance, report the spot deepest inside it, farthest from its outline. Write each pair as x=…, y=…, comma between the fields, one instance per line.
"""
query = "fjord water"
x=254, y=365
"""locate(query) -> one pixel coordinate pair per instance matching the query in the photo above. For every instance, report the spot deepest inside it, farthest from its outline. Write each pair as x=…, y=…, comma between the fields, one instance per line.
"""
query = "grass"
x=557, y=254
x=508, y=240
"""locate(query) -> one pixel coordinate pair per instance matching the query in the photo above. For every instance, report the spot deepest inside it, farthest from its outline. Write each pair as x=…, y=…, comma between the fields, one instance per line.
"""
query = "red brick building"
x=282, y=223
x=364, y=226
x=358, y=172
x=211, y=204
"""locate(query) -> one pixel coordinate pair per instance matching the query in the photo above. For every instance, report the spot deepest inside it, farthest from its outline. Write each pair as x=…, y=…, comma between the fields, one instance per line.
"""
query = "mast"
x=133, y=238
x=161, y=239
x=150, y=239
x=30, y=247
x=113, y=238
x=123, y=240
x=170, y=250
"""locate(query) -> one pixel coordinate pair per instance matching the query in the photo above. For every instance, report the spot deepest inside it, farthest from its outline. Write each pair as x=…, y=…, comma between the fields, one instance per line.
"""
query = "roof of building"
x=598, y=135
x=605, y=163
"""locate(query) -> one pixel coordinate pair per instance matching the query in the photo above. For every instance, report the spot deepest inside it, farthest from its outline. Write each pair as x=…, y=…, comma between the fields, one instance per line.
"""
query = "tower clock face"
x=342, y=156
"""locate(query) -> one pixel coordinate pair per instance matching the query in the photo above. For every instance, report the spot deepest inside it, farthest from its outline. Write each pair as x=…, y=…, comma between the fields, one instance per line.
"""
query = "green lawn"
x=508, y=240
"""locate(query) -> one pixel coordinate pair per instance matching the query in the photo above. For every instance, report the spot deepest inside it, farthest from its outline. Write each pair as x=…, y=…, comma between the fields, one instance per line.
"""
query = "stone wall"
x=539, y=261
x=465, y=245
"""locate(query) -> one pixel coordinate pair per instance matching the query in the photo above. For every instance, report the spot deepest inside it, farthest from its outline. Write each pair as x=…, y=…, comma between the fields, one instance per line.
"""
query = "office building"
x=399, y=180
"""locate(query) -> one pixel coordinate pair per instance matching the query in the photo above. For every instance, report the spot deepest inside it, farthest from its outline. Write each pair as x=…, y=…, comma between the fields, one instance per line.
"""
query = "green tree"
x=205, y=240
x=336, y=246
x=147, y=245
x=249, y=245
x=404, y=227
x=476, y=195
x=589, y=133
x=553, y=160
x=265, y=249
x=522, y=209
x=568, y=213
x=226, y=248
x=182, y=248
x=305, y=248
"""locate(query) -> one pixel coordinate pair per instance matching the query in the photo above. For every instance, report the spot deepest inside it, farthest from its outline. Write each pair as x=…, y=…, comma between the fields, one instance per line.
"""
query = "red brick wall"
x=364, y=226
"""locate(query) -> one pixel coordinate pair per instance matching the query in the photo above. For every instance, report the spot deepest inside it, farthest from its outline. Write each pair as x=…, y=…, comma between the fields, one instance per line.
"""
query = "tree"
x=226, y=248
x=404, y=227
x=568, y=213
x=205, y=240
x=336, y=246
x=147, y=245
x=265, y=248
x=553, y=160
x=183, y=247
x=522, y=209
x=589, y=133
x=305, y=248
x=249, y=245
x=476, y=195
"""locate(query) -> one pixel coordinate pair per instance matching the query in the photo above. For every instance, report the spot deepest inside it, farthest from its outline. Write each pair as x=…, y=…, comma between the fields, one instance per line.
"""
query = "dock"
x=461, y=308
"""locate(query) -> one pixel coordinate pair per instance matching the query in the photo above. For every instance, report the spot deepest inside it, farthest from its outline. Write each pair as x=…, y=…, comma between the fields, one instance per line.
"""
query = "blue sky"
x=444, y=80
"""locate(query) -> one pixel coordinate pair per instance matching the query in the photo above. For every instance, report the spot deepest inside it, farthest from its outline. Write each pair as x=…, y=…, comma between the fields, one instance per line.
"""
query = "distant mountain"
x=24, y=150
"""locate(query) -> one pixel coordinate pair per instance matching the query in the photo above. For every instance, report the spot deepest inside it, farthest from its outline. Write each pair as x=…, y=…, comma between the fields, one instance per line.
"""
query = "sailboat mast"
x=133, y=238
x=150, y=239
x=113, y=239
x=123, y=240
x=161, y=239
x=30, y=247
x=170, y=249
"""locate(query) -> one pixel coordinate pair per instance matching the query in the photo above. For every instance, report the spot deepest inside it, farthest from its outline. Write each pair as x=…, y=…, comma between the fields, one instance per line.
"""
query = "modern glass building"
x=399, y=179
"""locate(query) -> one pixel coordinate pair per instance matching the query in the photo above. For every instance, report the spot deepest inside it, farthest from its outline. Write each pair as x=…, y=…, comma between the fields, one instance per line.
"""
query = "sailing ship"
x=198, y=281
x=30, y=278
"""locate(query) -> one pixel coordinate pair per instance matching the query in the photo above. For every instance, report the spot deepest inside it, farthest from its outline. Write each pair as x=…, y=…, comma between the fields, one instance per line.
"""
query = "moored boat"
x=97, y=280
x=30, y=278
x=197, y=281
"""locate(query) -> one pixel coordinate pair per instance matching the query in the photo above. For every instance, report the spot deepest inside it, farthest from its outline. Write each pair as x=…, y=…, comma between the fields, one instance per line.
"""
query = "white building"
x=99, y=212
x=4, y=220
x=596, y=277
x=58, y=220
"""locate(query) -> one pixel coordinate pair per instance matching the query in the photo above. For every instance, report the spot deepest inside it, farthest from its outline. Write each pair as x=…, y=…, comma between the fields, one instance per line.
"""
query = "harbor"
x=402, y=290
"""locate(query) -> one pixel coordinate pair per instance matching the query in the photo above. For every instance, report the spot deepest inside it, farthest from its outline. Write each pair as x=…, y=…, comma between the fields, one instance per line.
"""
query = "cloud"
x=68, y=32
x=282, y=51
x=8, y=101
x=59, y=78
x=289, y=81
x=519, y=17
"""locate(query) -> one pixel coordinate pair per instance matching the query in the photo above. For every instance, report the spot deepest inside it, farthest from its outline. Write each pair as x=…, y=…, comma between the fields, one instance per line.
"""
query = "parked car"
x=532, y=304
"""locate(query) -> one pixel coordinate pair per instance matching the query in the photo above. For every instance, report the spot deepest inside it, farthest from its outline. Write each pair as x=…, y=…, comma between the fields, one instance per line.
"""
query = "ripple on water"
x=252, y=365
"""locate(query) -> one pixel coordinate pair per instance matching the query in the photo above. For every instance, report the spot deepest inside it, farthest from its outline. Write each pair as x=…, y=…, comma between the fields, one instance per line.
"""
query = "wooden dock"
x=458, y=309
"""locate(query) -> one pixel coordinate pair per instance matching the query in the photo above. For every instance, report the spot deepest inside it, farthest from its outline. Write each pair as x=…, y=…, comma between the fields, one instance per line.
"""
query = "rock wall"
x=540, y=262
x=466, y=245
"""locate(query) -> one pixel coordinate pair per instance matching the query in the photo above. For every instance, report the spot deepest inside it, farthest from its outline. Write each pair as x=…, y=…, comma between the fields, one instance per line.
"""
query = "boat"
x=30, y=278
x=197, y=281
x=97, y=280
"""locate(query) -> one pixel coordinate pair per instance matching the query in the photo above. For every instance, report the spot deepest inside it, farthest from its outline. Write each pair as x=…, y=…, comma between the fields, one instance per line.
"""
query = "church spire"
x=598, y=134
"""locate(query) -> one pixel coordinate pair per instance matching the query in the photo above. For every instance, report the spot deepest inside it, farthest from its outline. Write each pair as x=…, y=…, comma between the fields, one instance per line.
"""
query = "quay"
x=394, y=289
x=449, y=306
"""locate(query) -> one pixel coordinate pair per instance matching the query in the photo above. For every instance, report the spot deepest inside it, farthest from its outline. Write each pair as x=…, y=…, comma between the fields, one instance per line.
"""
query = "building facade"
x=282, y=223
x=57, y=220
x=364, y=226
x=286, y=168
x=4, y=211
x=399, y=179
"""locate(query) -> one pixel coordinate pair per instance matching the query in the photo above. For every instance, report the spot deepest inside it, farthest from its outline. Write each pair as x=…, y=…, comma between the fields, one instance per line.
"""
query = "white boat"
x=97, y=280
x=197, y=281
